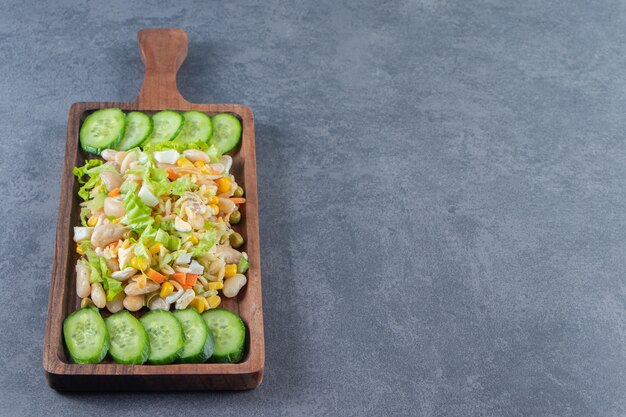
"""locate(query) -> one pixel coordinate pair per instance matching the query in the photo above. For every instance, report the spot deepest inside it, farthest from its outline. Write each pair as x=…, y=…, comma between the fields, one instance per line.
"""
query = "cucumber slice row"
x=198, y=340
x=102, y=129
x=138, y=128
x=112, y=129
x=129, y=341
x=226, y=132
x=167, y=339
x=197, y=127
x=86, y=336
x=167, y=124
x=229, y=333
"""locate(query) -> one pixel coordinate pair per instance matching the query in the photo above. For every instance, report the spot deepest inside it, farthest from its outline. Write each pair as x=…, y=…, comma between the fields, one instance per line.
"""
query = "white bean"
x=83, y=288
x=112, y=264
x=133, y=288
x=113, y=207
x=233, y=284
x=185, y=299
x=128, y=159
x=195, y=155
x=105, y=234
x=109, y=154
x=111, y=179
x=133, y=302
x=230, y=255
x=98, y=296
x=117, y=303
x=124, y=274
x=157, y=303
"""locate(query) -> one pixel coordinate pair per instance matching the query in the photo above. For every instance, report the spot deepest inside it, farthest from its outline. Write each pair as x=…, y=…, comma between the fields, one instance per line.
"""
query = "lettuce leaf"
x=112, y=286
x=137, y=213
x=208, y=240
x=80, y=172
x=182, y=185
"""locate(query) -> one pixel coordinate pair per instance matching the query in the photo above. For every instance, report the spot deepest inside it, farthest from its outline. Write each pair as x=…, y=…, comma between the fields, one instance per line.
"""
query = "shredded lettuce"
x=208, y=240
x=182, y=185
x=129, y=186
x=112, y=286
x=141, y=251
x=80, y=172
x=137, y=213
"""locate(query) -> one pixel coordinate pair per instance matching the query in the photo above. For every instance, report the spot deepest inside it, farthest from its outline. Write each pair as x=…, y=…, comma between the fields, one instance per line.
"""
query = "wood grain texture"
x=162, y=51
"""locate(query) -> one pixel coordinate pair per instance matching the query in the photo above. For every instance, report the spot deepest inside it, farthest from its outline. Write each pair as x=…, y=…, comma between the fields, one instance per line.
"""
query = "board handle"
x=163, y=52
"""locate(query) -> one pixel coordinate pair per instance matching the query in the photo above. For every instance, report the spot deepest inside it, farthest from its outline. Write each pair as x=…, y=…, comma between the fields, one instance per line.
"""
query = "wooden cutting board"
x=162, y=51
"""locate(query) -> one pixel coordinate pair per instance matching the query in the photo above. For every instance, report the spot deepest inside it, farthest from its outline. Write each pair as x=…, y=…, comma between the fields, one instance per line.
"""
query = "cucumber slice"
x=138, y=128
x=129, y=341
x=196, y=128
x=198, y=340
x=229, y=333
x=226, y=132
x=86, y=336
x=166, y=336
x=167, y=125
x=102, y=129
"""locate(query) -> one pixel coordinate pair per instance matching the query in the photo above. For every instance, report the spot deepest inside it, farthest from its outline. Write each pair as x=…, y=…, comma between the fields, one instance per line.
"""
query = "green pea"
x=235, y=217
x=238, y=192
x=236, y=240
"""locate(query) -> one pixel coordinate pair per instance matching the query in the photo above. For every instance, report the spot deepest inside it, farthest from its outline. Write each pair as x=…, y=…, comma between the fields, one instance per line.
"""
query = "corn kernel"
x=166, y=289
x=214, y=209
x=115, y=221
x=214, y=301
x=93, y=220
x=184, y=162
x=199, y=164
x=216, y=285
x=198, y=303
x=214, y=200
x=194, y=239
x=156, y=248
x=230, y=270
x=204, y=169
x=139, y=263
x=79, y=250
x=223, y=185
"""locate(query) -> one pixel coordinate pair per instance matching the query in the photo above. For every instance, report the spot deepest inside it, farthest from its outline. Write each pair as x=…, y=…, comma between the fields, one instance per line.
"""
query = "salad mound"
x=156, y=229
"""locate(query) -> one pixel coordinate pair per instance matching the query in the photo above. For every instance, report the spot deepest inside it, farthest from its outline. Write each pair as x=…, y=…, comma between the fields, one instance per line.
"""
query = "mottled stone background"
x=442, y=197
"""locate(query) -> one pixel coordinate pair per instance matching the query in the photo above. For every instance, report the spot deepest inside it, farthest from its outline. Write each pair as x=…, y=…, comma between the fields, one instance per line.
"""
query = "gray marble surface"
x=442, y=197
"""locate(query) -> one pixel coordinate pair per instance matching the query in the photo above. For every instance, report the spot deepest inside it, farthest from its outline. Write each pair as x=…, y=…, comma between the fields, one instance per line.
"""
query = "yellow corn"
x=214, y=200
x=194, y=239
x=79, y=249
x=166, y=289
x=214, y=301
x=184, y=162
x=223, y=185
x=139, y=263
x=156, y=248
x=230, y=270
x=199, y=164
x=216, y=285
x=214, y=209
x=92, y=221
x=204, y=169
x=115, y=221
x=198, y=303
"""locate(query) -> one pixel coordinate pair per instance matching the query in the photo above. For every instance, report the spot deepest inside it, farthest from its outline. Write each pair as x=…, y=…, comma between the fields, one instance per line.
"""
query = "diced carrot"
x=114, y=192
x=179, y=277
x=238, y=200
x=191, y=279
x=171, y=174
x=186, y=287
x=155, y=276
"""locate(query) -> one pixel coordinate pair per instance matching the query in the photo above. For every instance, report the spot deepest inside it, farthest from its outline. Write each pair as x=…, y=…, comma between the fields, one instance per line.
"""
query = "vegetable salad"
x=156, y=230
